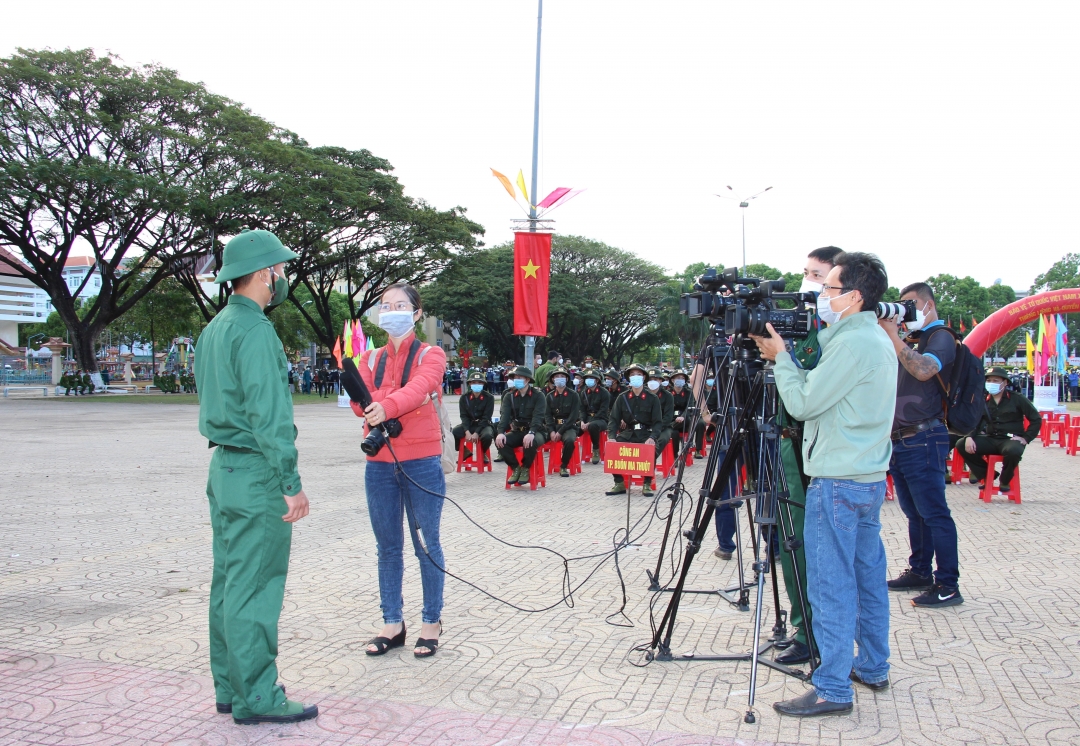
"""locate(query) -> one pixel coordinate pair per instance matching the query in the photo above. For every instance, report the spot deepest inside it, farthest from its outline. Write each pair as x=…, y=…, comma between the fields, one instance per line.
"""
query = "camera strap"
x=380, y=371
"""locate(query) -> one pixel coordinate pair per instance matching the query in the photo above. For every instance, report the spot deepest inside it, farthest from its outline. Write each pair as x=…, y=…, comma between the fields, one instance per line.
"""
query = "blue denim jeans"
x=726, y=516
x=846, y=583
x=918, y=472
x=387, y=488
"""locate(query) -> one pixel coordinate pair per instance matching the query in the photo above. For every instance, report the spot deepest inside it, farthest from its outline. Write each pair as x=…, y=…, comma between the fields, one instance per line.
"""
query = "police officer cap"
x=998, y=372
x=476, y=375
x=634, y=366
x=251, y=251
x=521, y=371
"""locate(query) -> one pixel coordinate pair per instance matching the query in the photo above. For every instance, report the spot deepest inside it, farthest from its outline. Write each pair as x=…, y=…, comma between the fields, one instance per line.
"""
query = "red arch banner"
x=1023, y=311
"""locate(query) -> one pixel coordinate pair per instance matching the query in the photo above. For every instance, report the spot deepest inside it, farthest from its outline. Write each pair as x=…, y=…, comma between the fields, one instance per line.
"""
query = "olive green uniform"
x=246, y=411
x=563, y=416
x=523, y=411
x=683, y=400
x=476, y=411
x=667, y=416
x=640, y=416
x=595, y=409
x=1003, y=420
x=806, y=352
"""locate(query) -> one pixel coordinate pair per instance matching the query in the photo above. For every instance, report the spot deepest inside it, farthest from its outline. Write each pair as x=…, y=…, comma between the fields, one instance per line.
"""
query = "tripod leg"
x=761, y=566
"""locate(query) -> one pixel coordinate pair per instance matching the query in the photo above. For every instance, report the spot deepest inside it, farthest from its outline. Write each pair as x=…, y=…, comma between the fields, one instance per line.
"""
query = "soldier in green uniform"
x=667, y=409
x=595, y=408
x=521, y=422
x=683, y=399
x=612, y=384
x=1002, y=431
x=563, y=416
x=636, y=417
x=543, y=372
x=246, y=412
x=475, y=408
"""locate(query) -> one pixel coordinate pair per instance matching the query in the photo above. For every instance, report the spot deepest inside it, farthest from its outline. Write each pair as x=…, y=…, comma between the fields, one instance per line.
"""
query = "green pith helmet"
x=251, y=251
x=560, y=371
x=635, y=366
x=592, y=373
x=522, y=371
x=997, y=373
x=476, y=375
x=612, y=374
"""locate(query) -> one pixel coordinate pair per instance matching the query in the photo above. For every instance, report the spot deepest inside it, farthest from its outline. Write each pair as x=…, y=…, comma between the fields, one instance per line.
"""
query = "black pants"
x=594, y=428
x=487, y=434
x=569, y=443
x=699, y=432
x=632, y=436
x=1011, y=451
x=515, y=439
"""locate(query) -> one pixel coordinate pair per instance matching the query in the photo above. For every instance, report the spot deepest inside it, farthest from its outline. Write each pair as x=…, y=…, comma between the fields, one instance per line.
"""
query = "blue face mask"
x=994, y=388
x=710, y=381
x=560, y=381
x=590, y=382
x=476, y=387
x=678, y=383
x=637, y=381
x=519, y=383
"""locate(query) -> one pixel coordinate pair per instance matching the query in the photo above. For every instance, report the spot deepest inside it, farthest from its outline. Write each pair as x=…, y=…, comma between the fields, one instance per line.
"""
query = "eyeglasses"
x=836, y=287
x=401, y=305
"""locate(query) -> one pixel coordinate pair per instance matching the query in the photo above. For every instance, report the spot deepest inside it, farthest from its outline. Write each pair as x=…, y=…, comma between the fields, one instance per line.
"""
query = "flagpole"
x=530, y=341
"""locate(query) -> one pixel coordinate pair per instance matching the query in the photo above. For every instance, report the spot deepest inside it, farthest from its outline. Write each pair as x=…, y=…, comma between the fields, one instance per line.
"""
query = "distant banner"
x=629, y=458
x=1046, y=398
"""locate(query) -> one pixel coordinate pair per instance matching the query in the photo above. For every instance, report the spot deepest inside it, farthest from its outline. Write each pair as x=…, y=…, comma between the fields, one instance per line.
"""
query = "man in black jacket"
x=521, y=424
x=636, y=417
x=475, y=408
x=563, y=415
x=595, y=407
x=1003, y=432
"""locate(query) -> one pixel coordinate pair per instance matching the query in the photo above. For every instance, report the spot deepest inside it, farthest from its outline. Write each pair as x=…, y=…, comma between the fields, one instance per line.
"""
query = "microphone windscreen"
x=353, y=383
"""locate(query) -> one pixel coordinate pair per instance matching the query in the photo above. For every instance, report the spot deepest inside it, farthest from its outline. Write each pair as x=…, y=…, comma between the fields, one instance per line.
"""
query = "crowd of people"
x=863, y=397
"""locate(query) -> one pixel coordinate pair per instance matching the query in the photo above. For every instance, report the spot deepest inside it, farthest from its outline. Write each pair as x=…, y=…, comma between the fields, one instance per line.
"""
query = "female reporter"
x=401, y=378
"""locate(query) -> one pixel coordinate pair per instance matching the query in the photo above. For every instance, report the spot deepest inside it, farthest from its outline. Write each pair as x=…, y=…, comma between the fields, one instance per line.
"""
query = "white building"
x=76, y=268
x=21, y=302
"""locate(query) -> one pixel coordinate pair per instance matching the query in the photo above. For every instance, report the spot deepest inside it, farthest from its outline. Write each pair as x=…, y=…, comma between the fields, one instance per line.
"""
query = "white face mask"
x=664, y=384
x=809, y=286
x=396, y=323
x=825, y=310
x=920, y=319
x=654, y=385
x=560, y=361
x=577, y=381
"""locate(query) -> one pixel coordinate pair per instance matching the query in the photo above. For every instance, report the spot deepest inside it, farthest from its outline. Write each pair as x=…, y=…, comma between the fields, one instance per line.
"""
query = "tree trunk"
x=83, y=338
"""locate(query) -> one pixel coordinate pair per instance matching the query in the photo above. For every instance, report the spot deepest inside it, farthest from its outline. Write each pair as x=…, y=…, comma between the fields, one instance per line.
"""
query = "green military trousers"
x=251, y=560
x=798, y=518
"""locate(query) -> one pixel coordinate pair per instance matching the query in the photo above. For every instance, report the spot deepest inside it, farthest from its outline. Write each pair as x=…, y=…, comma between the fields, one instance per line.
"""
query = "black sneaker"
x=910, y=580
x=939, y=596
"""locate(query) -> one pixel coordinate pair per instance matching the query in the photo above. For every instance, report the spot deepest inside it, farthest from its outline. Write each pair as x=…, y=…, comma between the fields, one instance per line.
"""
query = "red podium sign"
x=629, y=458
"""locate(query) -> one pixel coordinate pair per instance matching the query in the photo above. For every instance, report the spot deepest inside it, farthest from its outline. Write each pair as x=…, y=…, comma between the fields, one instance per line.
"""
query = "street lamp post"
x=744, y=203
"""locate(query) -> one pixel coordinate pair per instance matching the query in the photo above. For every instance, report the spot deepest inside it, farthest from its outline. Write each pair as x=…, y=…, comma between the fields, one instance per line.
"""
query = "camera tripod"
x=751, y=413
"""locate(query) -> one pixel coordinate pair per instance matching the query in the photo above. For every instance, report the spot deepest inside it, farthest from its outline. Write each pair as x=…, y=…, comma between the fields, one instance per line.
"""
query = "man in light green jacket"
x=847, y=403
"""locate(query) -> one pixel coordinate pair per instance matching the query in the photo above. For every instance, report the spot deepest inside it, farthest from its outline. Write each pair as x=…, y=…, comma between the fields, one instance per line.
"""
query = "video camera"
x=744, y=305
x=358, y=392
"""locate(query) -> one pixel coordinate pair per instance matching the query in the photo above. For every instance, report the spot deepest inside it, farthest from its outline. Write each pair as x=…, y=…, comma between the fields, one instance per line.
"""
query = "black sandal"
x=385, y=644
x=430, y=646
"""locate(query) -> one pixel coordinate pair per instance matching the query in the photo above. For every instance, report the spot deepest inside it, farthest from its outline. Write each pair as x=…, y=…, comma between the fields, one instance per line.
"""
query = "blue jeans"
x=846, y=583
x=918, y=472
x=725, y=514
x=386, y=490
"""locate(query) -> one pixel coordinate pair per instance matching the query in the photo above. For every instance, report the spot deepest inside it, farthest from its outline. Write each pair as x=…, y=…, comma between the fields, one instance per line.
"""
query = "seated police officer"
x=1003, y=432
x=667, y=409
x=683, y=399
x=476, y=409
x=595, y=406
x=613, y=384
x=521, y=420
x=636, y=417
x=563, y=416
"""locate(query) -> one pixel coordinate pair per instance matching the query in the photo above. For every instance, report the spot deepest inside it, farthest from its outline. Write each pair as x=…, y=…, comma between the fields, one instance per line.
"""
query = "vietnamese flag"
x=532, y=271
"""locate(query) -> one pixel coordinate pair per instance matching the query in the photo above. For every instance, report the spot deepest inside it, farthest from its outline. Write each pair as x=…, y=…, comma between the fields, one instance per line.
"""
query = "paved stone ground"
x=104, y=577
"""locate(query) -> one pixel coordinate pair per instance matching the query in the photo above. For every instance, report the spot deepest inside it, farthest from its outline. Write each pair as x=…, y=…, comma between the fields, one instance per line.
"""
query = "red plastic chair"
x=890, y=488
x=991, y=489
x=584, y=446
x=1073, y=440
x=667, y=459
x=475, y=462
x=536, y=471
x=1055, y=428
x=555, y=458
x=958, y=468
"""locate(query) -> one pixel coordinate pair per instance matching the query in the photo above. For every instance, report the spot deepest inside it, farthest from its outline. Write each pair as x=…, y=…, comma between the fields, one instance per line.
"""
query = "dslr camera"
x=739, y=306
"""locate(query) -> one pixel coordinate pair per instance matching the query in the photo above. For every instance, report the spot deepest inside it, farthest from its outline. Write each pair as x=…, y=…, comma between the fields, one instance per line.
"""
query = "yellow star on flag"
x=530, y=269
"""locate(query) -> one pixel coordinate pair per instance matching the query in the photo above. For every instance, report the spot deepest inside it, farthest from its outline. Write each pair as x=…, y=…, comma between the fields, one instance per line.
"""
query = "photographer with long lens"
x=846, y=404
x=401, y=378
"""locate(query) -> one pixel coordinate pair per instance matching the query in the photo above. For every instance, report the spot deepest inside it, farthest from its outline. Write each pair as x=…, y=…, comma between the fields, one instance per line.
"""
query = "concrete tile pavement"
x=104, y=576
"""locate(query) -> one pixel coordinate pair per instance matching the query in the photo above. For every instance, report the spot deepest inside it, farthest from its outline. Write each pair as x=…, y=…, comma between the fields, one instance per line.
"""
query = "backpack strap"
x=956, y=340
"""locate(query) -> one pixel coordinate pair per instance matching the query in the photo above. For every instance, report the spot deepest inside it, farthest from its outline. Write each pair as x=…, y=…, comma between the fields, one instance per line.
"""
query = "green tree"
x=1065, y=273
x=99, y=157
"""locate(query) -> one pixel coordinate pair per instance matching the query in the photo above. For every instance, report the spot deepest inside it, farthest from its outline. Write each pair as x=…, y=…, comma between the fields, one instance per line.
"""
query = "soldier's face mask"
x=577, y=381
x=710, y=381
x=637, y=381
x=590, y=382
x=654, y=385
x=560, y=381
x=476, y=387
x=994, y=388
x=278, y=287
x=678, y=383
x=518, y=383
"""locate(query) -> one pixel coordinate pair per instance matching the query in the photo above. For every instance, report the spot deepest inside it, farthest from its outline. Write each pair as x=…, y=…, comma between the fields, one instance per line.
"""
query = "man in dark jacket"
x=636, y=417
x=595, y=407
x=563, y=415
x=521, y=422
x=1003, y=432
x=476, y=408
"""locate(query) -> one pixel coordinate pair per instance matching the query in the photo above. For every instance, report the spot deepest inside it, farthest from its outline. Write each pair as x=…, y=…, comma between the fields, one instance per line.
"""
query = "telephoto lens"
x=903, y=312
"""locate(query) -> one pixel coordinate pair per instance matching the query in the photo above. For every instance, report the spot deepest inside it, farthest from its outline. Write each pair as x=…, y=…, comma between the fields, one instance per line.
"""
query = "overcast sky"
x=940, y=135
